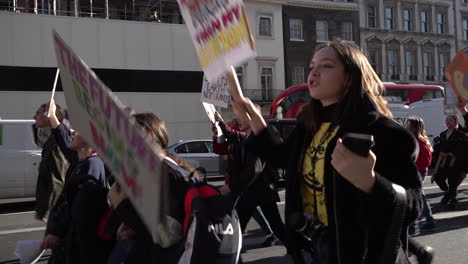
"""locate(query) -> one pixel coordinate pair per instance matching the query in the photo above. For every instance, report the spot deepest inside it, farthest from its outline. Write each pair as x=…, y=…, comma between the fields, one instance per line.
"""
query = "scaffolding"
x=159, y=11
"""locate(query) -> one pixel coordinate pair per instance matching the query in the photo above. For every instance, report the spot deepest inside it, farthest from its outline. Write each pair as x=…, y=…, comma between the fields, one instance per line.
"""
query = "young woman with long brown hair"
x=343, y=207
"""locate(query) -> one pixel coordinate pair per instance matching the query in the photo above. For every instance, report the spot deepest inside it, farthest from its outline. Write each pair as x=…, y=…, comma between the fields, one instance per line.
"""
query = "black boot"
x=426, y=255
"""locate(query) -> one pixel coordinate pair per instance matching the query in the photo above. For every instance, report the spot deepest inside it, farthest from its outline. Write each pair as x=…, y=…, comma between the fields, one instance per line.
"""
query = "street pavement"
x=450, y=239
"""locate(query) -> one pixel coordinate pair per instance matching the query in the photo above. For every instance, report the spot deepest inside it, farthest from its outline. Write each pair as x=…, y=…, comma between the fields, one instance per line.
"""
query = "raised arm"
x=60, y=134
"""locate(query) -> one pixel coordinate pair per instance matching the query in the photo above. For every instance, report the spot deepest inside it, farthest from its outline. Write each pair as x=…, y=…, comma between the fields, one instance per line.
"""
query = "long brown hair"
x=154, y=127
x=155, y=130
x=364, y=82
x=417, y=124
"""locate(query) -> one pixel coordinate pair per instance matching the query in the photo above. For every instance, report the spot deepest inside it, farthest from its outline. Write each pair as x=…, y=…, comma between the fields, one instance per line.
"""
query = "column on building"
x=403, y=73
x=437, y=73
x=384, y=62
x=417, y=19
x=398, y=17
x=420, y=64
x=381, y=9
x=434, y=19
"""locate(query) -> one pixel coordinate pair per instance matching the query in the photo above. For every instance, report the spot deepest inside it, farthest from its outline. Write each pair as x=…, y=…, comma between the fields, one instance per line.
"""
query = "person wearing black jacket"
x=450, y=162
x=250, y=178
x=340, y=206
x=76, y=217
x=176, y=184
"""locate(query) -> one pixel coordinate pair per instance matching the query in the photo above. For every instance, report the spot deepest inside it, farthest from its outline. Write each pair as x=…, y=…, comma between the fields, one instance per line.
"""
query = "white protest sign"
x=216, y=92
x=220, y=32
x=210, y=111
x=98, y=116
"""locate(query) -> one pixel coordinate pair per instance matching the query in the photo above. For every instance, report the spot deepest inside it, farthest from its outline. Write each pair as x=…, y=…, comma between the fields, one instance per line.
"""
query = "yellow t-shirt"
x=313, y=189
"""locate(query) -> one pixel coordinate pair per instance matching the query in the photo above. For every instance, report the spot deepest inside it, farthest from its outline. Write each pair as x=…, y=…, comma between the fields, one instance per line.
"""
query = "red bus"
x=288, y=103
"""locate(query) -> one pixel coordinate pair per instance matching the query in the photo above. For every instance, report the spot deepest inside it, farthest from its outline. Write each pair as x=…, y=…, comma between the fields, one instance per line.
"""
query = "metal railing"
x=261, y=95
x=160, y=11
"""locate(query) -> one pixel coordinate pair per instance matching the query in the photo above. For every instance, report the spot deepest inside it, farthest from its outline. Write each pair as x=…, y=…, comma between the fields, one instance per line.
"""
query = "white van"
x=431, y=111
x=19, y=159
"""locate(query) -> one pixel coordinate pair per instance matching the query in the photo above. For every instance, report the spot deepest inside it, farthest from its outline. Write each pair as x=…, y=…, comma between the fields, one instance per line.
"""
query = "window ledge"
x=297, y=40
x=264, y=37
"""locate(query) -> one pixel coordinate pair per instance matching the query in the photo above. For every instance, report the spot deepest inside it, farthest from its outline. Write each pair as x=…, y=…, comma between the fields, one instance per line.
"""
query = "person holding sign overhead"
x=176, y=183
x=352, y=186
x=53, y=166
x=76, y=217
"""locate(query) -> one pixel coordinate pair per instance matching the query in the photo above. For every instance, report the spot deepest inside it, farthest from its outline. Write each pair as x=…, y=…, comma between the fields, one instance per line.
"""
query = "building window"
x=427, y=66
x=440, y=23
x=465, y=29
x=443, y=62
x=389, y=18
x=392, y=64
x=373, y=58
x=264, y=26
x=410, y=67
x=407, y=20
x=297, y=75
x=347, y=31
x=266, y=77
x=240, y=75
x=371, y=16
x=424, y=22
x=295, y=29
x=321, y=28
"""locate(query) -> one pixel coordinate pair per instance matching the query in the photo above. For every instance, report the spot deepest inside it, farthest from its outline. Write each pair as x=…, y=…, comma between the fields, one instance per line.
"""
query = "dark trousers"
x=260, y=194
x=448, y=180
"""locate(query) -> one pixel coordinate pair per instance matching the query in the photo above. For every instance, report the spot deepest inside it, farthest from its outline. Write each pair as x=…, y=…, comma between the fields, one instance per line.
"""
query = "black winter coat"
x=144, y=250
x=358, y=221
x=81, y=205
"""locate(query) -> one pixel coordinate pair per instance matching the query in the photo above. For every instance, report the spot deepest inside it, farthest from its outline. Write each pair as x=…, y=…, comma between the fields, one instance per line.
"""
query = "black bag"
x=211, y=227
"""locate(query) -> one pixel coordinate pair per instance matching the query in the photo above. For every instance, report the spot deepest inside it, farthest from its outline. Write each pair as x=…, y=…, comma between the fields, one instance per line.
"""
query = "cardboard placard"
x=216, y=92
x=220, y=32
x=98, y=116
x=457, y=74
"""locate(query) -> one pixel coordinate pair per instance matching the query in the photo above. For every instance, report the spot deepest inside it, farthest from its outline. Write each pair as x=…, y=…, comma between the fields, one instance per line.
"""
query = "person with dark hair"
x=52, y=168
x=77, y=214
x=450, y=160
x=143, y=249
x=256, y=198
x=340, y=206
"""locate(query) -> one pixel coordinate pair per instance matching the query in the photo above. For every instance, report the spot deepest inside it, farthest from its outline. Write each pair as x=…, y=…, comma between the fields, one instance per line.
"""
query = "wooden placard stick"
x=235, y=90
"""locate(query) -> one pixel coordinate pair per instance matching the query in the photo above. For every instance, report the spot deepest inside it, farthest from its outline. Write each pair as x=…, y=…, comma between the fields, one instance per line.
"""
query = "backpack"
x=211, y=227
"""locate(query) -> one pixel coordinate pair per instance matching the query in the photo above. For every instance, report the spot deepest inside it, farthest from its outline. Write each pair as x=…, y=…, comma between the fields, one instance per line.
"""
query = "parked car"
x=199, y=153
x=19, y=159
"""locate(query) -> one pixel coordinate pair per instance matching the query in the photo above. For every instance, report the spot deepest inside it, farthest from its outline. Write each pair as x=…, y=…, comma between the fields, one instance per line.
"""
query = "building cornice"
x=319, y=4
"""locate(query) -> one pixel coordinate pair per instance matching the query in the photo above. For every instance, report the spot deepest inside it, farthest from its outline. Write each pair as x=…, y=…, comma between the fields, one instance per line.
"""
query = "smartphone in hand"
x=358, y=143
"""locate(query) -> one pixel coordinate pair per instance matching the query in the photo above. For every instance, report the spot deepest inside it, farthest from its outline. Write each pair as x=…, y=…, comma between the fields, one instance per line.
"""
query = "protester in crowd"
x=450, y=161
x=343, y=207
x=76, y=217
x=175, y=183
x=52, y=168
x=222, y=147
x=424, y=254
x=416, y=126
x=250, y=184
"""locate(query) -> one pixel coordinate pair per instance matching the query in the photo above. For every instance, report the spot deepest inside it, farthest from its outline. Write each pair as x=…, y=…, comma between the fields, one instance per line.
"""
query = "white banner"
x=98, y=116
x=220, y=32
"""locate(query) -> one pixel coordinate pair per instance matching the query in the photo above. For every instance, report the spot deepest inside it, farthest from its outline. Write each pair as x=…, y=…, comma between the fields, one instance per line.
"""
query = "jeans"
x=427, y=211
